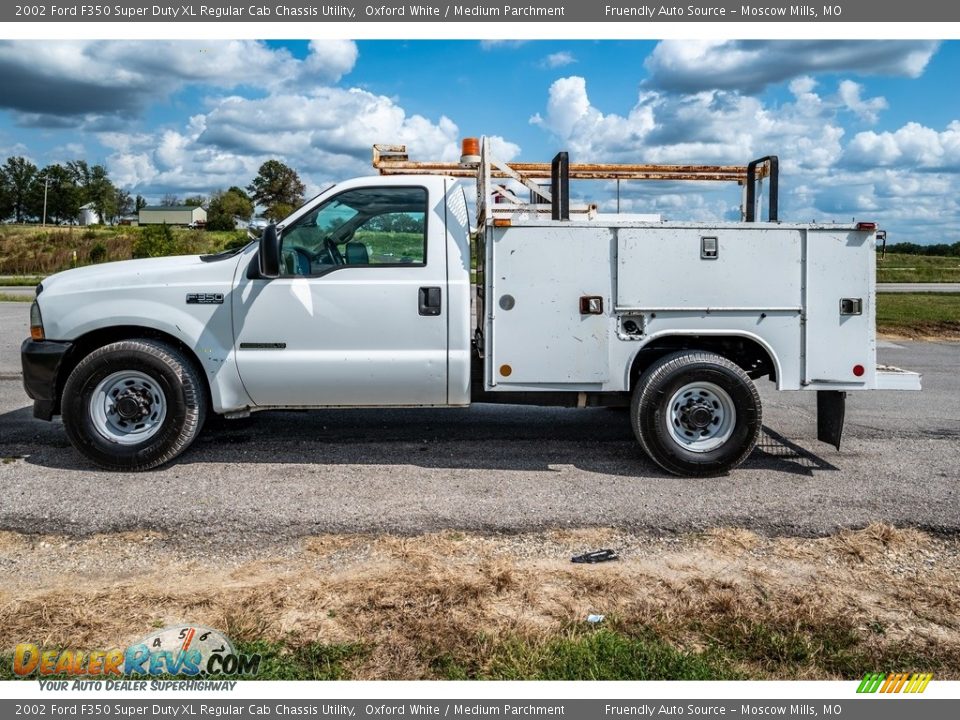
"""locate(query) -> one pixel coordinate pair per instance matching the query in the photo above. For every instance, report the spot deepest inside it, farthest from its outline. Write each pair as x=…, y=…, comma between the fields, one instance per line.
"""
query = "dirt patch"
x=929, y=332
x=776, y=607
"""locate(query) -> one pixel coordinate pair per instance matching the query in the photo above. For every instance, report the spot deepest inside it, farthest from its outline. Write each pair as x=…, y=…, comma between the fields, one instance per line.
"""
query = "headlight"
x=36, y=322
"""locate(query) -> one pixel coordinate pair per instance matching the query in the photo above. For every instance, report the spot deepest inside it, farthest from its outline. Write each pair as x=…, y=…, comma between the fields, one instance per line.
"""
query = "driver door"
x=358, y=317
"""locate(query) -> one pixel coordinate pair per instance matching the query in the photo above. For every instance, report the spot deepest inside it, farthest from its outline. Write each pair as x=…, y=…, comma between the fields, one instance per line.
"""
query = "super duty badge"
x=204, y=298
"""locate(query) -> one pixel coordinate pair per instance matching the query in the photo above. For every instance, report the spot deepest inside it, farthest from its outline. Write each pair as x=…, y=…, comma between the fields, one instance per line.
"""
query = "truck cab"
x=372, y=294
x=367, y=297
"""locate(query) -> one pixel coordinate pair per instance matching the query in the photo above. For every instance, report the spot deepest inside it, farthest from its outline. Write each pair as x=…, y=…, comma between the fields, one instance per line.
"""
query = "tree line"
x=64, y=189
x=58, y=192
x=942, y=249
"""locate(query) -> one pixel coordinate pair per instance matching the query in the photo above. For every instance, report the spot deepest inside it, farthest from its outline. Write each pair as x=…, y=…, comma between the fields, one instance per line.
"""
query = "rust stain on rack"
x=393, y=160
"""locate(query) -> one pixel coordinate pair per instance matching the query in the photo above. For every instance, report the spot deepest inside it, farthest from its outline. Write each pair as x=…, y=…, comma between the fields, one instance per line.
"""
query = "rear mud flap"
x=831, y=407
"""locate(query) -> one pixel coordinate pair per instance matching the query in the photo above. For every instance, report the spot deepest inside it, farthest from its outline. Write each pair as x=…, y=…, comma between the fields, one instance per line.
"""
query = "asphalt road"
x=496, y=468
x=918, y=287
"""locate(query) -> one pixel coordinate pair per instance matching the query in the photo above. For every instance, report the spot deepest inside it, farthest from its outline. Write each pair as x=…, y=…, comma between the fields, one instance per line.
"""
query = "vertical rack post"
x=560, y=192
x=750, y=214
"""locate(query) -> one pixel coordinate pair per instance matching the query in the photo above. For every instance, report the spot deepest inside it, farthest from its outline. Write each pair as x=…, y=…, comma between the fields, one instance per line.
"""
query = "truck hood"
x=162, y=272
x=186, y=297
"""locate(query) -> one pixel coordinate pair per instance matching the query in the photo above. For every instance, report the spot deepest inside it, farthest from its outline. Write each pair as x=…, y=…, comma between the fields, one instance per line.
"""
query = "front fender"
x=207, y=330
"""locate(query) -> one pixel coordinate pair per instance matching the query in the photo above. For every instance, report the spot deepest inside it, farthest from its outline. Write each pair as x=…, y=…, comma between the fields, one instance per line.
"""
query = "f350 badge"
x=204, y=298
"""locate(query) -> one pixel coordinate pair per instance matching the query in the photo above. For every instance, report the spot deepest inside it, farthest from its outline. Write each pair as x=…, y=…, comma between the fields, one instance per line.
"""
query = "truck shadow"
x=775, y=452
x=483, y=437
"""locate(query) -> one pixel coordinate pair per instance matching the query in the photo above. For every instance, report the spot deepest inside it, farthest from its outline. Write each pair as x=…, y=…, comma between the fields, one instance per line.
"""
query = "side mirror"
x=269, y=256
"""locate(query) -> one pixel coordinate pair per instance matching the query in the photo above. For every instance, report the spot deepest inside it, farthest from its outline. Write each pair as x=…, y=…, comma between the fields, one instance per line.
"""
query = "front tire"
x=133, y=405
x=696, y=414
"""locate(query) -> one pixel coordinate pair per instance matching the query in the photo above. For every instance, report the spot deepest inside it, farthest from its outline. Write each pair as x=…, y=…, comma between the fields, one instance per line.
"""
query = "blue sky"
x=866, y=129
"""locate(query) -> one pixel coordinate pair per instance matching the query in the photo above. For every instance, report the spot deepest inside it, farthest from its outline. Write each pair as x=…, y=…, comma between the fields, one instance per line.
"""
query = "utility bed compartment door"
x=537, y=278
x=699, y=268
x=840, y=327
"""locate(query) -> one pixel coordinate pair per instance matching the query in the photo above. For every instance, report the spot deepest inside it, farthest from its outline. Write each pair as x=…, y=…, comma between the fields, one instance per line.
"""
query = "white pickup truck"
x=366, y=297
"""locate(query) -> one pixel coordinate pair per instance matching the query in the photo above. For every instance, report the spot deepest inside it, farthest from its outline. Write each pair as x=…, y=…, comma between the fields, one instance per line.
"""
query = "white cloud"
x=706, y=127
x=912, y=145
x=261, y=102
x=558, y=60
x=67, y=152
x=504, y=44
x=329, y=60
x=502, y=149
x=908, y=179
x=803, y=85
x=17, y=149
x=81, y=82
x=132, y=170
x=325, y=134
x=328, y=120
x=751, y=65
x=868, y=109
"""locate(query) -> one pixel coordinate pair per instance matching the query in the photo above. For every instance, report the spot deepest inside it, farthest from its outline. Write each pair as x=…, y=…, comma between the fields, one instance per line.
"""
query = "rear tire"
x=696, y=414
x=133, y=405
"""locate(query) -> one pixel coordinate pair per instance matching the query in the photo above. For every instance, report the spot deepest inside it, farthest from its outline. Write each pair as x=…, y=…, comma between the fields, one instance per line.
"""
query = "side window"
x=396, y=238
x=363, y=227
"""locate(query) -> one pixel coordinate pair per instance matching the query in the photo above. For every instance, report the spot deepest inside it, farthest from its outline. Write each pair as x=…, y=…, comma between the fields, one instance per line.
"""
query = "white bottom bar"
x=893, y=378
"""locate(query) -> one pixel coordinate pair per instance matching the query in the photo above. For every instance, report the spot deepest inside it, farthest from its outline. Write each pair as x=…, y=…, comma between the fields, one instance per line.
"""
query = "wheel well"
x=747, y=353
x=86, y=344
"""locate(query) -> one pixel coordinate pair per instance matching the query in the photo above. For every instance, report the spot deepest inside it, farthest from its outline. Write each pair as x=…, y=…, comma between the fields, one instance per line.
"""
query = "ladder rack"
x=495, y=199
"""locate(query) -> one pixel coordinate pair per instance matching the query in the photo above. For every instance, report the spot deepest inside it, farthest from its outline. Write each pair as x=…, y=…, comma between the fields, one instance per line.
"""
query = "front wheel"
x=696, y=414
x=133, y=405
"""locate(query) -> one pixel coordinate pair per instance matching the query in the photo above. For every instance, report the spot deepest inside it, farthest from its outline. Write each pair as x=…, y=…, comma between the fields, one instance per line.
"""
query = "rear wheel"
x=696, y=413
x=133, y=405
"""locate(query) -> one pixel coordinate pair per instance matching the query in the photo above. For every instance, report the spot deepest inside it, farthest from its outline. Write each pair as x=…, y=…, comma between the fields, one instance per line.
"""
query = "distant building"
x=173, y=215
x=88, y=215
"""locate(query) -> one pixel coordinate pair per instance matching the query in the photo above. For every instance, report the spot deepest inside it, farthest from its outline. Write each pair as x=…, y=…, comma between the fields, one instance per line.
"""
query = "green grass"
x=313, y=661
x=19, y=280
x=579, y=655
x=605, y=654
x=29, y=250
x=918, y=313
x=10, y=297
x=392, y=246
x=737, y=650
x=786, y=648
x=898, y=267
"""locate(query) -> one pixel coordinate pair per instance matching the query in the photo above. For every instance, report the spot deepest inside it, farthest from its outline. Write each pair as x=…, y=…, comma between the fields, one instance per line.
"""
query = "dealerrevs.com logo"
x=894, y=683
x=190, y=650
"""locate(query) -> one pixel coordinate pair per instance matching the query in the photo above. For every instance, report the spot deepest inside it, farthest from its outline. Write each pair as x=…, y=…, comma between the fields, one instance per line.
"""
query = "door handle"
x=430, y=302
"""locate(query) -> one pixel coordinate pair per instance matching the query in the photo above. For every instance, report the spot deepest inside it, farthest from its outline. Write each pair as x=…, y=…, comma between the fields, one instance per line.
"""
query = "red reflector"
x=866, y=226
x=859, y=370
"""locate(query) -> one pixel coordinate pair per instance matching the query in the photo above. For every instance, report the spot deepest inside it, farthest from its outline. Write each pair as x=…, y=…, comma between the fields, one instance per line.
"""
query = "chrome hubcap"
x=701, y=416
x=128, y=407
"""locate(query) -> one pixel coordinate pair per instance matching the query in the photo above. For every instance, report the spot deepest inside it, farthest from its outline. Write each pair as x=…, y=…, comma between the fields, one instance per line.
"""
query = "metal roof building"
x=172, y=215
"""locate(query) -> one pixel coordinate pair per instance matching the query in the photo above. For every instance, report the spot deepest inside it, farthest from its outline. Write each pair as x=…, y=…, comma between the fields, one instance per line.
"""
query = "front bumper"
x=41, y=361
